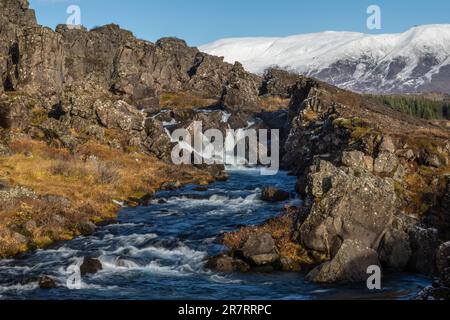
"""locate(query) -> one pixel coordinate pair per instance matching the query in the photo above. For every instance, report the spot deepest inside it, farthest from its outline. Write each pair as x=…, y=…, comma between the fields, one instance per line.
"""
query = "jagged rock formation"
x=374, y=183
x=368, y=174
x=96, y=81
x=39, y=60
x=99, y=104
x=278, y=83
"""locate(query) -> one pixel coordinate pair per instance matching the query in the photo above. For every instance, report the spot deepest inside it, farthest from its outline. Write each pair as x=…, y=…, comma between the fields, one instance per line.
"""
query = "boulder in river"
x=171, y=186
x=348, y=266
x=227, y=264
x=86, y=228
x=90, y=266
x=347, y=206
x=272, y=194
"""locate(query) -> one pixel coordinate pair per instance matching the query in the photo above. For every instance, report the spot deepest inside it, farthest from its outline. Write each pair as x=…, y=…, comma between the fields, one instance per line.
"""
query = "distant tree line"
x=417, y=106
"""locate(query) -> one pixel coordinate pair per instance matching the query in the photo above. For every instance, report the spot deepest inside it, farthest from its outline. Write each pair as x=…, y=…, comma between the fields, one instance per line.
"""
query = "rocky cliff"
x=375, y=187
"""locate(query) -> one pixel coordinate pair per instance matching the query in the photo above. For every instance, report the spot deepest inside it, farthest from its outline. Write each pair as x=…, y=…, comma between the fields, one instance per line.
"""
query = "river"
x=159, y=252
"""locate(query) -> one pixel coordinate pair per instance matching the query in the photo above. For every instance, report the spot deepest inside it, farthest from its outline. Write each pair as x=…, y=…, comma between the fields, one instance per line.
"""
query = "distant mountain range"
x=417, y=60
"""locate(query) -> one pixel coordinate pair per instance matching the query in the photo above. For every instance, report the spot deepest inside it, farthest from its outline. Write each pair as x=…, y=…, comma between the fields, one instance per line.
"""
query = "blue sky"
x=203, y=21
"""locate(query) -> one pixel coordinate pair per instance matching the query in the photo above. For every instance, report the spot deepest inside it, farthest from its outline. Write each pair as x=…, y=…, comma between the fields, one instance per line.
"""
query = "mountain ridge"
x=417, y=60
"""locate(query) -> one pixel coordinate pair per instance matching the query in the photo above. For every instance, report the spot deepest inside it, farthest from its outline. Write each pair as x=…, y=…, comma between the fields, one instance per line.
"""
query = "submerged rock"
x=201, y=188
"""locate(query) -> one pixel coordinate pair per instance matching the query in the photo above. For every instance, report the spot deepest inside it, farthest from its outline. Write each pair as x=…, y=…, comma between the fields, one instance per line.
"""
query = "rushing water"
x=159, y=252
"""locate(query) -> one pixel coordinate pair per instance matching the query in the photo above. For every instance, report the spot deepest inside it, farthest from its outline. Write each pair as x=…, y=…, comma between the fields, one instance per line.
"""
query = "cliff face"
x=369, y=175
x=87, y=108
x=99, y=80
x=39, y=60
x=31, y=57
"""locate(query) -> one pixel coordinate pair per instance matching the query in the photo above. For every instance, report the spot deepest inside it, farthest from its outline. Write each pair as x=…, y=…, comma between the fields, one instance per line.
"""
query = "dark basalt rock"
x=440, y=290
x=90, y=266
x=226, y=264
x=395, y=250
x=272, y=194
x=443, y=258
x=241, y=90
x=278, y=83
x=349, y=265
x=260, y=249
x=86, y=228
x=47, y=283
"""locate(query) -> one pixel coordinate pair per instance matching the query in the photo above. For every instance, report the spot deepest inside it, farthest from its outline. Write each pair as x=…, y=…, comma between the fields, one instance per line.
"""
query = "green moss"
x=398, y=188
x=356, y=126
x=360, y=132
x=38, y=116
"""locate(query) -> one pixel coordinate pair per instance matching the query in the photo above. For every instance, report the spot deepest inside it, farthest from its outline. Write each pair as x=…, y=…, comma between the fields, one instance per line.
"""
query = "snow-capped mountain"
x=417, y=60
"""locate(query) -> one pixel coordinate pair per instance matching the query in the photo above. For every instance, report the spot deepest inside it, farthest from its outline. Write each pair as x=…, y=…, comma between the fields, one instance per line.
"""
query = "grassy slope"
x=91, y=180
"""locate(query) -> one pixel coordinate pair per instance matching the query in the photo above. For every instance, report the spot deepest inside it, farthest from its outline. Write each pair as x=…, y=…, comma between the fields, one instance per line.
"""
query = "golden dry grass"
x=272, y=103
x=185, y=100
x=91, y=180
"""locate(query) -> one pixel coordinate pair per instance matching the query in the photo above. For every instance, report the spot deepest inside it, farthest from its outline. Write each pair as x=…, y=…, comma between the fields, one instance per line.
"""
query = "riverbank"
x=50, y=194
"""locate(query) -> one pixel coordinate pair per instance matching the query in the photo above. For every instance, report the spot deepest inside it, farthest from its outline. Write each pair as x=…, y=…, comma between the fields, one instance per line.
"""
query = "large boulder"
x=424, y=244
x=227, y=264
x=443, y=257
x=241, y=90
x=86, y=228
x=349, y=265
x=260, y=249
x=157, y=140
x=90, y=266
x=272, y=194
x=395, y=250
x=347, y=207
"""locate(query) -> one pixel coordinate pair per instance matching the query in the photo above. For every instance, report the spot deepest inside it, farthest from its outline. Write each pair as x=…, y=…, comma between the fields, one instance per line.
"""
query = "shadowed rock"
x=349, y=265
x=90, y=266
x=272, y=194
